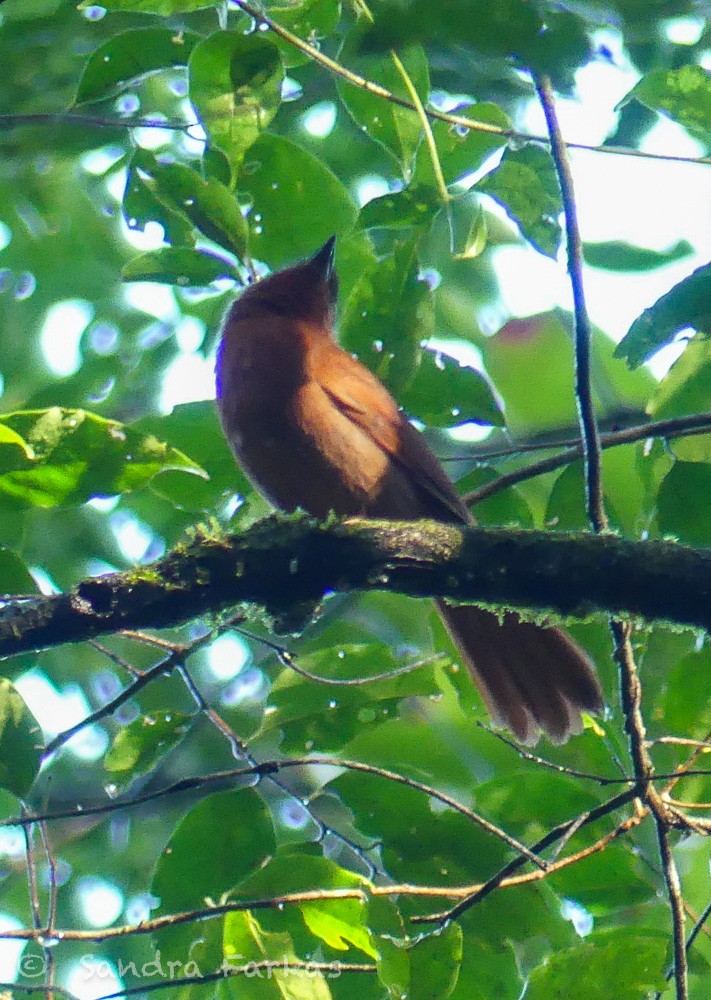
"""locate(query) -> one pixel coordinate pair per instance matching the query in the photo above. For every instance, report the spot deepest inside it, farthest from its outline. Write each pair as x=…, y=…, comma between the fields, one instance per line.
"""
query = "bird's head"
x=307, y=291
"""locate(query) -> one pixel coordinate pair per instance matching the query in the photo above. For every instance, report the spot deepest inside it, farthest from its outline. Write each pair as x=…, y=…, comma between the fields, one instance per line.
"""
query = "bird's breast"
x=296, y=447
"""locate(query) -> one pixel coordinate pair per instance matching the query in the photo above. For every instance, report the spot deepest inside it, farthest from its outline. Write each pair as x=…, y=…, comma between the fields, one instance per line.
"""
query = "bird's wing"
x=361, y=397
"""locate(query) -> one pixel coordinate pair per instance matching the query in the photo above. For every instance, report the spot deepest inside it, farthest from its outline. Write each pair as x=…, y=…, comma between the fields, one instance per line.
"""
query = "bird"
x=314, y=428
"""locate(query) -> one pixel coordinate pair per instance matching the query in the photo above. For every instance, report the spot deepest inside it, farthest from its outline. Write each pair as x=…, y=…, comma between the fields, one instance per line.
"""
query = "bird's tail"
x=531, y=677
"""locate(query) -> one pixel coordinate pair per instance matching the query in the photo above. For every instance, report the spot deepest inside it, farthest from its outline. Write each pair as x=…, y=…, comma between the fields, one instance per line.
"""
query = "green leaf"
x=235, y=86
x=297, y=202
x=78, y=455
x=310, y=20
x=140, y=745
x=14, y=447
x=20, y=742
x=179, y=266
x=499, y=28
x=625, y=963
x=129, y=56
x=141, y=206
x=397, y=129
x=685, y=387
x=338, y=922
x=602, y=882
x=462, y=151
x=15, y=578
x=543, y=344
x=616, y=255
x=689, y=521
x=325, y=716
x=426, y=968
x=388, y=315
x=623, y=493
x=539, y=344
x=467, y=227
x=222, y=840
x=434, y=964
x=418, y=838
x=164, y=7
x=187, y=424
x=562, y=47
x=526, y=186
x=411, y=207
x=443, y=392
x=506, y=507
x=245, y=941
x=680, y=712
x=208, y=204
x=686, y=304
x=682, y=94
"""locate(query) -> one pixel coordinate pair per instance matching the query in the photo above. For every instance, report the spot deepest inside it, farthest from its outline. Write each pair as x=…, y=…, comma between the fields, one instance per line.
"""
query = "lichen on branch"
x=287, y=564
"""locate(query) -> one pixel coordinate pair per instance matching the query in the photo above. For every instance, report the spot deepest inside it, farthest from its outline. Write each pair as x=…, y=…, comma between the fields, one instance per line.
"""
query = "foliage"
x=191, y=152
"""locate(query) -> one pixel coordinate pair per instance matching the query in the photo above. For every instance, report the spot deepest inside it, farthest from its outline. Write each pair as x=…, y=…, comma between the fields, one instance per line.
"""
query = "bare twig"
x=129, y=692
x=630, y=685
x=504, y=873
x=386, y=675
x=227, y=971
x=35, y=905
x=32, y=881
x=696, y=423
x=589, y=432
x=52, y=901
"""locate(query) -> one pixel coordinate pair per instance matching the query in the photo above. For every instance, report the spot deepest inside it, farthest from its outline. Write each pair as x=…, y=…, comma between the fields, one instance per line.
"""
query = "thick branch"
x=286, y=563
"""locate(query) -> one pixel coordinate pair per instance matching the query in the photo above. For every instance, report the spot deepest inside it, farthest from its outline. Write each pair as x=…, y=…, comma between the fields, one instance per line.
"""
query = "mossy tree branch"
x=287, y=564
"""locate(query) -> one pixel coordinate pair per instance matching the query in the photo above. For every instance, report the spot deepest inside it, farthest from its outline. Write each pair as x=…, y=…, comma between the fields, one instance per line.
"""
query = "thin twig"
x=631, y=689
x=550, y=838
x=698, y=927
x=32, y=882
x=241, y=752
x=559, y=768
x=564, y=831
x=177, y=653
x=386, y=675
x=52, y=901
x=35, y=906
x=271, y=767
x=129, y=692
x=589, y=432
x=446, y=116
x=697, y=423
x=269, y=966
x=10, y=989
x=426, y=128
x=685, y=769
x=278, y=902
x=116, y=658
x=64, y=118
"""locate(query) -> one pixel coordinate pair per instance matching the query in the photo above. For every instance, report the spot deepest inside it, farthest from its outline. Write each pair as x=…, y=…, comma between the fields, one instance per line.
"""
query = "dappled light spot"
x=24, y=286
x=91, y=978
x=227, y=656
x=320, y=119
x=60, y=336
x=101, y=901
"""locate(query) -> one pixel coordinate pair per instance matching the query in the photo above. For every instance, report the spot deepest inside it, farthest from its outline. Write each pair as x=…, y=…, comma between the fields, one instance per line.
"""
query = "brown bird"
x=314, y=428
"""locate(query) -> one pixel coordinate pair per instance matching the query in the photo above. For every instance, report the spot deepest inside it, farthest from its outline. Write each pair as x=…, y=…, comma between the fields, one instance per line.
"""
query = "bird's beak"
x=323, y=259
